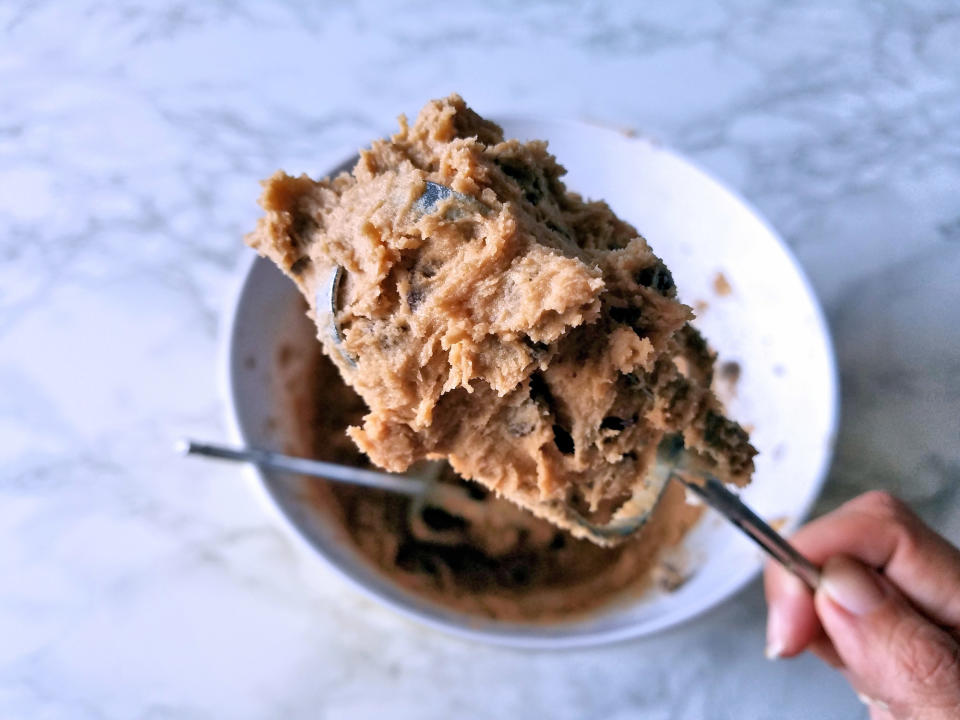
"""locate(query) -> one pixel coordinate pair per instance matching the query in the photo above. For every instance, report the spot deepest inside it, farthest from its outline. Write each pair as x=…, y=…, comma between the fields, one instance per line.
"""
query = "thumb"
x=893, y=655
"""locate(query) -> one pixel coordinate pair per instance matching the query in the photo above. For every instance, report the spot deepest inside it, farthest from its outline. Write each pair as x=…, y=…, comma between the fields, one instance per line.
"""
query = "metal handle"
x=714, y=494
x=304, y=466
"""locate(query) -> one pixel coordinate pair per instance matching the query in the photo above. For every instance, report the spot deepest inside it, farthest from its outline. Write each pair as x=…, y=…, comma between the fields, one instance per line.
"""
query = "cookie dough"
x=524, y=334
x=521, y=569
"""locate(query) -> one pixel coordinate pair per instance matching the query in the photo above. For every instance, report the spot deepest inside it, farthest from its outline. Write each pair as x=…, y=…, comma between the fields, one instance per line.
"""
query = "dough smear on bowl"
x=528, y=336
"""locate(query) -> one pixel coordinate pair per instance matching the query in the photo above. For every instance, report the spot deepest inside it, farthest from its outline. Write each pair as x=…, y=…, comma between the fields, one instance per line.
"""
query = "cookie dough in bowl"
x=654, y=190
x=507, y=565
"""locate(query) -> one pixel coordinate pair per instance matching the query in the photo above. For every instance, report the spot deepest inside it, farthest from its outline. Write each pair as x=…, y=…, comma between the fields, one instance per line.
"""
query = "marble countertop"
x=134, y=584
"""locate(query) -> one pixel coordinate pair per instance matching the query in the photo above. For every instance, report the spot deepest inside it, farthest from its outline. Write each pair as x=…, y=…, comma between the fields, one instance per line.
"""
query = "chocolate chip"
x=300, y=264
x=656, y=276
x=558, y=541
x=626, y=315
x=612, y=422
x=539, y=390
x=514, y=571
x=520, y=574
x=563, y=440
x=476, y=491
x=526, y=178
x=557, y=229
x=630, y=316
x=537, y=349
x=665, y=281
x=413, y=556
x=303, y=224
x=439, y=519
x=646, y=276
x=414, y=298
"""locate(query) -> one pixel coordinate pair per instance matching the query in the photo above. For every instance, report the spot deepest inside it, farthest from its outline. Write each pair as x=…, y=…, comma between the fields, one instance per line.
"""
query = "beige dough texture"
x=519, y=568
x=524, y=334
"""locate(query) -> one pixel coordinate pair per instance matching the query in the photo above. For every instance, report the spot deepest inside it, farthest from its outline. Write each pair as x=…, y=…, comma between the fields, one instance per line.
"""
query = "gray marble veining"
x=132, y=137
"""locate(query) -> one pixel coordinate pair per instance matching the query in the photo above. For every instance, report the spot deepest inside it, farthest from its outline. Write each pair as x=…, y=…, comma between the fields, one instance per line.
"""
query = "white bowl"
x=770, y=324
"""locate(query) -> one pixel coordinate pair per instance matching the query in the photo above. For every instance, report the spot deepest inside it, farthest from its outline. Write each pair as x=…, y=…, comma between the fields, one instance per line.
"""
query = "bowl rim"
x=506, y=636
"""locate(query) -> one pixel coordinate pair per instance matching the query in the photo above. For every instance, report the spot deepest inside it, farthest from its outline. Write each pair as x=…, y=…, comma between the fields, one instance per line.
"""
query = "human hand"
x=886, y=613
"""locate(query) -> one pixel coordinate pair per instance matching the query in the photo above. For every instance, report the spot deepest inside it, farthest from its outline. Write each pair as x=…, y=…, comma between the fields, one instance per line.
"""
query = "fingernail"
x=867, y=700
x=852, y=586
x=775, y=634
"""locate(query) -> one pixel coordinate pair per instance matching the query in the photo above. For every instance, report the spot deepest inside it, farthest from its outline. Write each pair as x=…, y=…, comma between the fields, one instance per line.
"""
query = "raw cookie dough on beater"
x=526, y=335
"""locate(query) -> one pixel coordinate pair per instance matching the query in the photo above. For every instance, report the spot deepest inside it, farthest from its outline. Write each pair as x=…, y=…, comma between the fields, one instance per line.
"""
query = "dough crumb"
x=668, y=577
x=721, y=286
x=730, y=371
x=728, y=375
x=778, y=523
